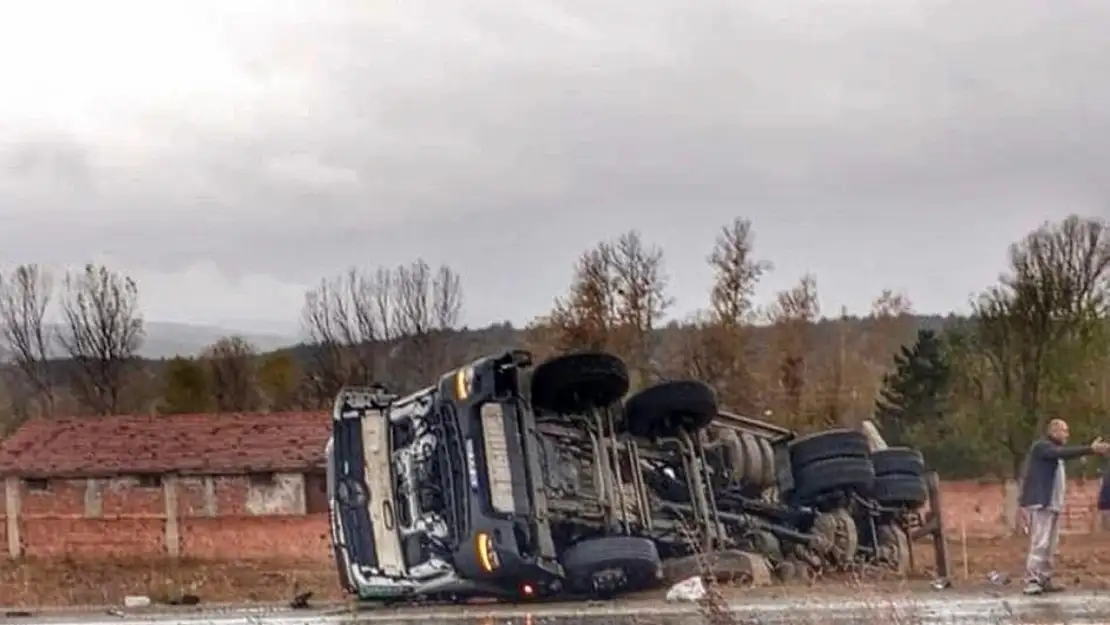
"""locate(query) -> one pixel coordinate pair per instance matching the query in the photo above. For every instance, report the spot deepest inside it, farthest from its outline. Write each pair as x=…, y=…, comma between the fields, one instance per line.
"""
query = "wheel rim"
x=839, y=529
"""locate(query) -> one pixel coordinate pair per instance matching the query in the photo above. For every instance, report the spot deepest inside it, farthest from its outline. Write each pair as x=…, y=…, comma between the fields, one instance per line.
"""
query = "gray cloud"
x=876, y=144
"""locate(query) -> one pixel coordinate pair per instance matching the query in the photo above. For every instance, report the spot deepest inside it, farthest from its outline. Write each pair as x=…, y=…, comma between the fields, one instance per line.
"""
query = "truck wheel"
x=768, y=463
x=575, y=383
x=612, y=564
x=833, y=474
x=829, y=444
x=898, y=461
x=841, y=534
x=900, y=491
x=894, y=548
x=753, y=460
x=734, y=450
x=669, y=407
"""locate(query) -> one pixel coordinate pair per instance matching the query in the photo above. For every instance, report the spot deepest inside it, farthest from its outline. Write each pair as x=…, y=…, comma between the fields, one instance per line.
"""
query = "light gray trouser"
x=1044, y=535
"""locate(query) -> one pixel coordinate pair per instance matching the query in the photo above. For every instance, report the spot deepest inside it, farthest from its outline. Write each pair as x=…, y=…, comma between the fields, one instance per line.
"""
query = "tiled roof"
x=187, y=444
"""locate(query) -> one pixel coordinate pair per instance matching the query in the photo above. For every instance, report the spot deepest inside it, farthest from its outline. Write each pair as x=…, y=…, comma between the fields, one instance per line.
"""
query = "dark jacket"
x=1104, y=492
x=1040, y=470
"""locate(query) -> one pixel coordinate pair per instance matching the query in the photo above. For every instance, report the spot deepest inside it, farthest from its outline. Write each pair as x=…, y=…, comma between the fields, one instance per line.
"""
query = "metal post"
x=614, y=457
x=641, y=490
x=936, y=523
x=711, y=498
x=697, y=488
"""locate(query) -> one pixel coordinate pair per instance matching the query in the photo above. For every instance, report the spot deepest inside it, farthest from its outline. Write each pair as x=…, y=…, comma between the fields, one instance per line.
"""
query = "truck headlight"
x=487, y=555
x=464, y=382
x=498, y=473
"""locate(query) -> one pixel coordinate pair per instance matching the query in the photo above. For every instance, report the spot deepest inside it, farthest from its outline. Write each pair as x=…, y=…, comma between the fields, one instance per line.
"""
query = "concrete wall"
x=231, y=518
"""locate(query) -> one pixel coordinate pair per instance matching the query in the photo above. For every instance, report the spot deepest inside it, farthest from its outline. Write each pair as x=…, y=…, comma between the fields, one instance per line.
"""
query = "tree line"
x=971, y=390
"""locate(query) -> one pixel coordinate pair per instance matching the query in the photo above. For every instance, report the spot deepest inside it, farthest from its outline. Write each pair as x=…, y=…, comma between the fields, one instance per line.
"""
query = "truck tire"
x=667, y=408
x=612, y=564
x=735, y=450
x=753, y=460
x=838, y=443
x=898, y=461
x=894, y=548
x=840, y=531
x=833, y=474
x=768, y=453
x=577, y=383
x=898, y=490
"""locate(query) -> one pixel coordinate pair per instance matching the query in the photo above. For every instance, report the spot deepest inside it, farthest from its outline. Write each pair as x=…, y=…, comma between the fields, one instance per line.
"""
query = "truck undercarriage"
x=475, y=487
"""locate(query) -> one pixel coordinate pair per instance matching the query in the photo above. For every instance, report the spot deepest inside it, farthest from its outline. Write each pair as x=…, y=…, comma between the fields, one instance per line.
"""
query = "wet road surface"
x=1072, y=608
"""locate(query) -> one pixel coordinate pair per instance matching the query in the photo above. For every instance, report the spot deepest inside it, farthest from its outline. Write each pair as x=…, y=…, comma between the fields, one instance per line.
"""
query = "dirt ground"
x=1084, y=562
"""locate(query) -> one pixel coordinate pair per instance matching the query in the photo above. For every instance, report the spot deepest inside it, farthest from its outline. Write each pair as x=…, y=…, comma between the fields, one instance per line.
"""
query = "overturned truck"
x=517, y=482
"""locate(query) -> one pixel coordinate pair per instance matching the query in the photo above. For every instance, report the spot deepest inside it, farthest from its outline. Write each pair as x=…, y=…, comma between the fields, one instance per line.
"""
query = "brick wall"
x=131, y=520
x=221, y=517
x=979, y=507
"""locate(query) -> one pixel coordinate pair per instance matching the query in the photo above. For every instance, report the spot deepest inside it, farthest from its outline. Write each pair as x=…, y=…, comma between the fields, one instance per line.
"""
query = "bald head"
x=1058, y=431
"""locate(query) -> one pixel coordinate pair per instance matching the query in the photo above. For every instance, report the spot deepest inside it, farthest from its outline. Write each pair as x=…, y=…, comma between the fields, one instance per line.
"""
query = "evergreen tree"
x=913, y=395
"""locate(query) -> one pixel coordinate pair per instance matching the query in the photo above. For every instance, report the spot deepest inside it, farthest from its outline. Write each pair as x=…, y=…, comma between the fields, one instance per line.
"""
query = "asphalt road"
x=1073, y=608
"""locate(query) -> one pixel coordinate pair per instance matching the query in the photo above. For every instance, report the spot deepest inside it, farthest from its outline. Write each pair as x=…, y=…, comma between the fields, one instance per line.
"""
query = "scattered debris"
x=115, y=612
x=186, y=599
x=136, y=601
x=689, y=590
x=300, y=602
x=941, y=583
x=998, y=578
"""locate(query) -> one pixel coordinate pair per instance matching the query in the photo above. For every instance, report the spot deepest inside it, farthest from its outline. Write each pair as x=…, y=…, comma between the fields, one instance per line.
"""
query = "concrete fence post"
x=12, y=502
x=173, y=532
x=1010, y=493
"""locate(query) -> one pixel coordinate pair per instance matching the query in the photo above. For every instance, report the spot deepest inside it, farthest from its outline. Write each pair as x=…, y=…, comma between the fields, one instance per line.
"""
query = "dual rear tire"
x=578, y=383
x=830, y=462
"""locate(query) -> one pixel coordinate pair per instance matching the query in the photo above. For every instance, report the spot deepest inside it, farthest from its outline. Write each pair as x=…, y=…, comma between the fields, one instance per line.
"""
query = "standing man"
x=1043, y=492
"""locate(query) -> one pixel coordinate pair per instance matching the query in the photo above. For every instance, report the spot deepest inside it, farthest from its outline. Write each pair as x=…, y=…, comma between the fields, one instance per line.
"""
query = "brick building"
x=228, y=486
x=250, y=486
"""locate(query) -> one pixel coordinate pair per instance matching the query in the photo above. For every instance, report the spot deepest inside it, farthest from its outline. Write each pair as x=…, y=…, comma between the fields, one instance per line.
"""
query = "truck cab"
x=440, y=493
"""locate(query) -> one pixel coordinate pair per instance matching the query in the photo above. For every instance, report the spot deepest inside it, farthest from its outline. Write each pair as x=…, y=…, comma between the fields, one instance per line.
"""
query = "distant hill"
x=166, y=340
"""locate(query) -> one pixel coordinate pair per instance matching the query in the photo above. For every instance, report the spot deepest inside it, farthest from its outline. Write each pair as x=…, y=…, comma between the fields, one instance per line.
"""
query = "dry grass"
x=98, y=582
x=1084, y=562
x=889, y=599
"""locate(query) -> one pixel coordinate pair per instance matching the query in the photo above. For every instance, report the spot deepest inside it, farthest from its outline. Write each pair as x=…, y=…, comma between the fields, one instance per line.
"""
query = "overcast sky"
x=229, y=153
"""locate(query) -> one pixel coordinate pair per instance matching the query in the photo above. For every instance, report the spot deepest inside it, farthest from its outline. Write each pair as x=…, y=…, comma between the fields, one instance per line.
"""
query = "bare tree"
x=642, y=301
x=382, y=325
x=413, y=315
x=428, y=307
x=891, y=305
x=585, y=318
x=104, y=330
x=718, y=349
x=448, y=298
x=25, y=296
x=736, y=272
x=1037, y=327
x=347, y=319
x=617, y=299
x=231, y=373
x=792, y=317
